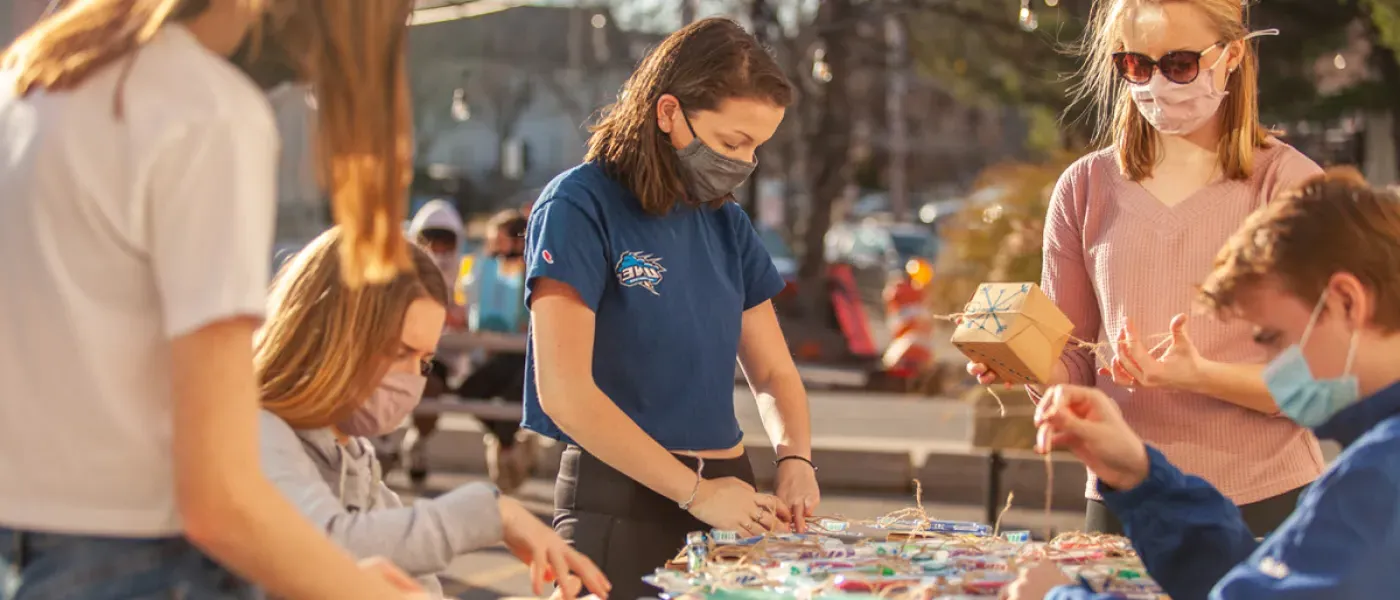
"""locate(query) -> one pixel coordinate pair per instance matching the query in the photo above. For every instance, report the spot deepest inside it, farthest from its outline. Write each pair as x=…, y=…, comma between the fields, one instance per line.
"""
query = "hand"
x=395, y=576
x=1173, y=363
x=983, y=373
x=729, y=504
x=568, y=588
x=456, y=317
x=549, y=556
x=1035, y=582
x=1087, y=423
x=1058, y=374
x=797, y=491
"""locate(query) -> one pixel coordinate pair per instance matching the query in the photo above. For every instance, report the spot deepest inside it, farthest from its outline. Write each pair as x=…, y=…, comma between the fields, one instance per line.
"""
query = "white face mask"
x=447, y=263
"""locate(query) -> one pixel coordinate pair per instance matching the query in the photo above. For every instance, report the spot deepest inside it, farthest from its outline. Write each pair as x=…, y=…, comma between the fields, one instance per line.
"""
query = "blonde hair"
x=1122, y=126
x=325, y=345
x=351, y=52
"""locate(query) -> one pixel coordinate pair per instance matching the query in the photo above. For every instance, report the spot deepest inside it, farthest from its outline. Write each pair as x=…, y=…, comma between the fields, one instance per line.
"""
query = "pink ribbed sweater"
x=1113, y=251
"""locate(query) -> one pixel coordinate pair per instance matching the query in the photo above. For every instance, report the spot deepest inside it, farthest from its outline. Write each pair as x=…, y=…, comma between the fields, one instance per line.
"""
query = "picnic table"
x=468, y=341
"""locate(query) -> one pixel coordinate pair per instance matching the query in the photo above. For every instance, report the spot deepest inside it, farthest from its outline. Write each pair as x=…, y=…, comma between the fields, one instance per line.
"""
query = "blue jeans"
x=49, y=566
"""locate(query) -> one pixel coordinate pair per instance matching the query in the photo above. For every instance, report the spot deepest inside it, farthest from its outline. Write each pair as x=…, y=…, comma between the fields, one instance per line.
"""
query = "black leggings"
x=626, y=529
x=1262, y=517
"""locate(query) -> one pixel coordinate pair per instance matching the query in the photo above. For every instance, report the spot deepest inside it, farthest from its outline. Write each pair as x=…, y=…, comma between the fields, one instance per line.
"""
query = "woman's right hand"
x=729, y=504
x=985, y=376
x=1087, y=422
x=983, y=373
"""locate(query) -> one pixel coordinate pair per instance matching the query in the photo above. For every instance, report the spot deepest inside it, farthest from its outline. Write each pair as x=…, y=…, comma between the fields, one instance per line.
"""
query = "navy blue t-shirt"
x=668, y=293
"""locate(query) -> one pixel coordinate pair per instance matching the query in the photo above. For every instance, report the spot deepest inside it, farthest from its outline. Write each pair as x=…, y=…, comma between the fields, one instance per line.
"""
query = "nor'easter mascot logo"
x=637, y=269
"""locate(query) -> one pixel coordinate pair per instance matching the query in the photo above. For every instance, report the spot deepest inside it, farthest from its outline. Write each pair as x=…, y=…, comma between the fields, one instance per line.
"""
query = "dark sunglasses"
x=1178, y=66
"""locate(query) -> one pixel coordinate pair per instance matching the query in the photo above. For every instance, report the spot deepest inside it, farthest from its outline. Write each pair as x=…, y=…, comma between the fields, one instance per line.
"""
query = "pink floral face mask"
x=1175, y=108
x=1182, y=108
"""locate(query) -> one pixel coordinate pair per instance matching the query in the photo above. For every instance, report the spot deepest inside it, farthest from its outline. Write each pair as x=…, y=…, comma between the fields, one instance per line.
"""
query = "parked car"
x=873, y=244
x=778, y=248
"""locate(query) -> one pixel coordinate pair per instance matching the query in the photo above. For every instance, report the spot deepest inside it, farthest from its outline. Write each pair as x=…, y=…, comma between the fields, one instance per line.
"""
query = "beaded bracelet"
x=699, y=472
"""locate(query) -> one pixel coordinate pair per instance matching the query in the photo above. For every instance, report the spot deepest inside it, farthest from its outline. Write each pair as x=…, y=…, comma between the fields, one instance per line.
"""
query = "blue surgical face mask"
x=1309, y=401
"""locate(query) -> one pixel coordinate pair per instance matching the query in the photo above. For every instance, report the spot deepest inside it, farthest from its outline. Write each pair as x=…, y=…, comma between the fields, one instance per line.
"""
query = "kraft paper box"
x=1015, y=330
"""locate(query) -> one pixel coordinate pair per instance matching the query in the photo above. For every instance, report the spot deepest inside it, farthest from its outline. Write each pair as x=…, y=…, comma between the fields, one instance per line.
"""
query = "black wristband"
x=796, y=457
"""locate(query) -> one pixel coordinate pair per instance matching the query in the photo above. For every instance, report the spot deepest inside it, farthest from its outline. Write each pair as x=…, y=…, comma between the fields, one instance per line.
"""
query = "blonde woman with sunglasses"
x=1132, y=229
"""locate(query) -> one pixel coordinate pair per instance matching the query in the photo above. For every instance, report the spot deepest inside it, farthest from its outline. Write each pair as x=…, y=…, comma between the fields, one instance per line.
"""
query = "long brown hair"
x=1122, y=126
x=1331, y=223
x=702, y=64
x=325, y=345
x=351, y=52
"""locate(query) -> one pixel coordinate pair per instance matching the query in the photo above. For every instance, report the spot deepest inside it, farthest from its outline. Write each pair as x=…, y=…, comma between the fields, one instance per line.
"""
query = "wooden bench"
x=467, y=341
x=483, y=409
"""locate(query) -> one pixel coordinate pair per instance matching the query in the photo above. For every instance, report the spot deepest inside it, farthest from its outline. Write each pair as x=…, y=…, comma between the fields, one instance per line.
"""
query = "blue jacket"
x=1342, y=542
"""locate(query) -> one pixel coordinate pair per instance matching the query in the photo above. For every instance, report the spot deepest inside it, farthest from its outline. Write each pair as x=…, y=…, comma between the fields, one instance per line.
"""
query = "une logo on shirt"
x=637, y=269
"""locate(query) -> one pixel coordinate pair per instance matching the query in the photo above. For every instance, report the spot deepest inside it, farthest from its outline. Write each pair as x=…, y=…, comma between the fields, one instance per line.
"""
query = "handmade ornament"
x=1015, y=330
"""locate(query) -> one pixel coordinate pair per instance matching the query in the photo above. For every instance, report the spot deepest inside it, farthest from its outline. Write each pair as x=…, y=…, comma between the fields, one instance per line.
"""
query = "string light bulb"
x=1028, y=20
x=821, y=70
x=461, y=111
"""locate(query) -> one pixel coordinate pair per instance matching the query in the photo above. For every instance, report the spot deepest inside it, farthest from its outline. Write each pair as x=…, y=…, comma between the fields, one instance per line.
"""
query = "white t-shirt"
x=117, y=236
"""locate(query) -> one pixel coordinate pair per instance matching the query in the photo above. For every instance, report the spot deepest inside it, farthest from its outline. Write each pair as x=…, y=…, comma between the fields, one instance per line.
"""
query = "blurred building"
x=501, y=96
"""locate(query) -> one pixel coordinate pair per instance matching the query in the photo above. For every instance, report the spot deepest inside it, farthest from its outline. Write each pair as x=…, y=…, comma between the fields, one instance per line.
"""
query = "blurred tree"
x=986, y=54
x=997, y=236
x=829, y=148
x=990, y=51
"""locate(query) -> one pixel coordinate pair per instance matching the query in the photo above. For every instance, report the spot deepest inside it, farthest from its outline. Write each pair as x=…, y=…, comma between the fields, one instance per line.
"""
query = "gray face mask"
x=709, y=174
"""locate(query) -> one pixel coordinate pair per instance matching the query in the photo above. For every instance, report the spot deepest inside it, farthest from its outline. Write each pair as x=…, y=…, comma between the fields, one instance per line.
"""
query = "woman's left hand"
x=797, y=489
x=549, y=556
x=1035, y=582
x=1172, y=363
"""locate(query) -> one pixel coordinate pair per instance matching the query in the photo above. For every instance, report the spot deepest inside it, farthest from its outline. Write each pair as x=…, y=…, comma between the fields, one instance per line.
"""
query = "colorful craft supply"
x=1019, y=537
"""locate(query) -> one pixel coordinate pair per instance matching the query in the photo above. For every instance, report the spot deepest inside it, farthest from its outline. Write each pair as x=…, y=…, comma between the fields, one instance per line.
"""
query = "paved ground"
x=850, y=421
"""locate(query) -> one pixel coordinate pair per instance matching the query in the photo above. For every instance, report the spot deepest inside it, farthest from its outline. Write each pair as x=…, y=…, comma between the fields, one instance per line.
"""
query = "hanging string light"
x=1028, y=20
x=821, y=70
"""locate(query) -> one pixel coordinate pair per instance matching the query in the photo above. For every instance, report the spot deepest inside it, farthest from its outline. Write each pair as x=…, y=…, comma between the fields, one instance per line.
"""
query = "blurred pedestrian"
x=1131, y=231
x=644, y=281
x=1317, y=276
x=495, y=289
x=135, y=231
x=438, y=228
x=338, y=366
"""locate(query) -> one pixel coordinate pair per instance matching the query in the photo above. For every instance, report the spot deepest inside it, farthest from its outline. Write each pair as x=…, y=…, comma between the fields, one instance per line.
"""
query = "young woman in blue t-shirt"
x=644, y=282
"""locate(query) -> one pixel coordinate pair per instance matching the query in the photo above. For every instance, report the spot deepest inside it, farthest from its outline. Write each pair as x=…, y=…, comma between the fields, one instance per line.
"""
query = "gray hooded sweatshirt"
x=340, y=488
